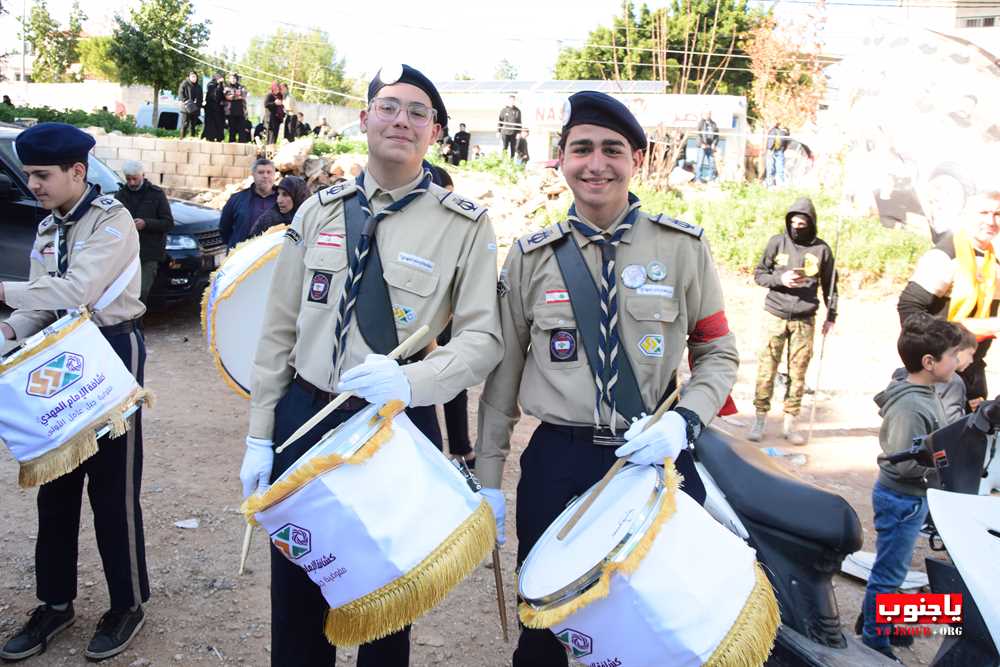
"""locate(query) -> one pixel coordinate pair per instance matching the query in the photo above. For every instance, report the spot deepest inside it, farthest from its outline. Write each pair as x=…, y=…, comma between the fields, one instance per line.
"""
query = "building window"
x=973, y=23
x=988, y=21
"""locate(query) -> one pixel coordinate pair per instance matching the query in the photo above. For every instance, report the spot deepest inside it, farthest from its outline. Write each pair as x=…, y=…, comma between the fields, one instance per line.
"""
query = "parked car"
x=194, y=247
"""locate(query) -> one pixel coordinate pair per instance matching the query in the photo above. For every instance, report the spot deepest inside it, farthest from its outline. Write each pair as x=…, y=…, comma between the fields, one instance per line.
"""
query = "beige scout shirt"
x=439, y=261
x=656, y=322
x=101, y=246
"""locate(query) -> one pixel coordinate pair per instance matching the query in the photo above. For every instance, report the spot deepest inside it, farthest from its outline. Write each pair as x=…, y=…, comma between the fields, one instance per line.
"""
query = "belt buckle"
x=603, y=438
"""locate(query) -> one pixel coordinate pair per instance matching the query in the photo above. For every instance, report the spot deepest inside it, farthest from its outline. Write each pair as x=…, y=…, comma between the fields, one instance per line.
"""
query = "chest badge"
x=319, y=287
x=634, y=275
x=656, y=270
x=651, y=345
x=403, y=314
x=562, y=345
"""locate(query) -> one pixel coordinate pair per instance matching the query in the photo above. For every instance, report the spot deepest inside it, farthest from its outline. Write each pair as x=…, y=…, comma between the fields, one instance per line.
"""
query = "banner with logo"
x=57, y=390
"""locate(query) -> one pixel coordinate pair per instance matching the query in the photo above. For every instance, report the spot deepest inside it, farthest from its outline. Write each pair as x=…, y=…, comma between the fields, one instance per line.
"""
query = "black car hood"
x=193, y=218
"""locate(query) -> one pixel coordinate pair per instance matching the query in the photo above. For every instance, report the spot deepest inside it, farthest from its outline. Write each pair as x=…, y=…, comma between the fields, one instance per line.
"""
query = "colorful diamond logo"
x=55, y=375
x=577, y=643
x=293, y=541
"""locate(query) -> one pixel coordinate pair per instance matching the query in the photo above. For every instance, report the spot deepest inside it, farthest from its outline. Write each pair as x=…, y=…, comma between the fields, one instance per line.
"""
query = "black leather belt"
x=353, y=404
x=601, y=436
x=122, y=327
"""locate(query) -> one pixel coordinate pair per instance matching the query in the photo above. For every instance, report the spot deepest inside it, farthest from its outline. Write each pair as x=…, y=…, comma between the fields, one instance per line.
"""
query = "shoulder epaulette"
x=541, y=238
x=335, y=192
x=48, y=223
x=464, y=207
x=106, y=202
x=679, y=225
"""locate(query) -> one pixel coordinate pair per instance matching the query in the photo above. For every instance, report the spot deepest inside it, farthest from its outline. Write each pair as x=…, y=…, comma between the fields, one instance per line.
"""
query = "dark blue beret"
x=53, y=143
x=589, y=107
x=390, y=74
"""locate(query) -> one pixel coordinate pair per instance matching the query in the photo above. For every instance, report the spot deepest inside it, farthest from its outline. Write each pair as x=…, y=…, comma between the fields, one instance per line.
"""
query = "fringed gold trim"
x=402, y=601
x=318, y=465
x=19, y=356
x=547, y=618
x=226, y=294
x=68, y=456
x=749, y=642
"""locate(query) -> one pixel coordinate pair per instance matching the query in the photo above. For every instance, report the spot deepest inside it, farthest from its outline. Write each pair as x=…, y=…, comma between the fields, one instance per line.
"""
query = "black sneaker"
x=902, y=641
x=33, y=638
x=115, y=632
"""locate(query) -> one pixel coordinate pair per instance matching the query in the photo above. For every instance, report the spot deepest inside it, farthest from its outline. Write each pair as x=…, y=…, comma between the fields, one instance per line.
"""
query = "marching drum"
x=232, y=312
x=647, y=579
x=60, y=390
x=379, y=520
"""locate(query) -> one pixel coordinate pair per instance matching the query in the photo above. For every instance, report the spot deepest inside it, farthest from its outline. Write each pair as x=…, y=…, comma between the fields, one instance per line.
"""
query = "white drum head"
x=556, y=571
x=345, y=440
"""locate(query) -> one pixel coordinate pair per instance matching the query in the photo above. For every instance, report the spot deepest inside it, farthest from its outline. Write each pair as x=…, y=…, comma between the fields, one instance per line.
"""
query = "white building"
x=478, y=105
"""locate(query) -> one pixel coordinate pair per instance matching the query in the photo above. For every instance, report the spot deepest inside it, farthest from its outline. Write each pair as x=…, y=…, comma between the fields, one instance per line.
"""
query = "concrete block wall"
x=191, y=164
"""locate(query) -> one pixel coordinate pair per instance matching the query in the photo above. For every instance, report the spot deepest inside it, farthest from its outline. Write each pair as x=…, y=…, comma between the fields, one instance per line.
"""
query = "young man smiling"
x=80, y=251
x=431, y=257
x=611, y=283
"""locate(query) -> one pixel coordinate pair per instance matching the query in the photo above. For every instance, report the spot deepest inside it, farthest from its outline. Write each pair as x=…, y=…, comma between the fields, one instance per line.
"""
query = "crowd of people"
x=543, y=329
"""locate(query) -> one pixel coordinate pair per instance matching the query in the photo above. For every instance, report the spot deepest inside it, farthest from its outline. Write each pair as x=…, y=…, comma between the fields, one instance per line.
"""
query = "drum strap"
x=374, y=309
x=119, y=285
x=586, y=302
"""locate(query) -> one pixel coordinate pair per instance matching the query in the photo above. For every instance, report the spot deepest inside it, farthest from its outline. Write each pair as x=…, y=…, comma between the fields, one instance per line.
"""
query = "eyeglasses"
x=387, y=110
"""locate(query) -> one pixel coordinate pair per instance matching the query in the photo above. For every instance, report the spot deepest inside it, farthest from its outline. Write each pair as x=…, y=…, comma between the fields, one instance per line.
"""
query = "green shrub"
x=102, y=119
x=503, y=168
x=339, y=146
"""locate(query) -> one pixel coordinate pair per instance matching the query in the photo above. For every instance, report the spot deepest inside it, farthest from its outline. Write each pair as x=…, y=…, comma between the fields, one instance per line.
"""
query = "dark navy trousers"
x=298, y=610
x=114, y=479
x=559, y=464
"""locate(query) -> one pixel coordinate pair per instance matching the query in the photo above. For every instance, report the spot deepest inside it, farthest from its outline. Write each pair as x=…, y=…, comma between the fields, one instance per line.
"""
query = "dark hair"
x=66, y=166
x=441, y=177
x=923, y=334
x=968, y=338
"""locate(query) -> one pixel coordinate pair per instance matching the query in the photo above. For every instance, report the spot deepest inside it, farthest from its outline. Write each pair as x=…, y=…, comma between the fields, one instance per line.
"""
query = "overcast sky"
x=461, y=37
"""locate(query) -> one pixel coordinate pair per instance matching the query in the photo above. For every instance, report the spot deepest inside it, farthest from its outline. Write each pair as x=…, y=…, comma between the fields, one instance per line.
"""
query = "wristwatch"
x=693, y=421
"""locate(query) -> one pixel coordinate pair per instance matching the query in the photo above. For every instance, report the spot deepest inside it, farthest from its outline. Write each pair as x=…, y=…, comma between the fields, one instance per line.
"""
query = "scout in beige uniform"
x=432, y=258
x=88, y=243
x=596, y=313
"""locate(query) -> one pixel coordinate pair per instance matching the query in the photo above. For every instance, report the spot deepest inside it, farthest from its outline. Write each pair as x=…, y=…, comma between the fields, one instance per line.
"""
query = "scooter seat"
x=764, y=493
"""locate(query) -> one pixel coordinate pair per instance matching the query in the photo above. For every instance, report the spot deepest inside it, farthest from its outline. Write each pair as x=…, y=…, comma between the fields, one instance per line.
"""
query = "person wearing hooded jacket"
x=292, y=191
x=795, y=266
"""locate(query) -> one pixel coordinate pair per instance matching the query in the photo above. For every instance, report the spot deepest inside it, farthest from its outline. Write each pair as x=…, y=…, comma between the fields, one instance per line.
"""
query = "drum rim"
x=619, y=552
x=42, y=340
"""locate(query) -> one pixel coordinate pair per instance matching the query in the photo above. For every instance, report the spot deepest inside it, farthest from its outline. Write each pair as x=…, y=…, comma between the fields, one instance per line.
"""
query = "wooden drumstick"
x=246, y=547
x=498, y=580
x=619, y=464
x=404, y=349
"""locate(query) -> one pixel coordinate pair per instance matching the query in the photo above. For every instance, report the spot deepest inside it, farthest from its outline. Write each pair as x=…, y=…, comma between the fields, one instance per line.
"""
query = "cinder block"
x=222, y=160
x=211, y=147
x=119, y=141
x=234, y=149
x=165, y=144
x=199, y=158
x=165, y=167
x=209, y=170
x=244, y=161
x=144, y=143
x=175, y=157
x=235, y=173
x=197, y=182
x=115, y=165
x=105, y=152
x=187, y=169
x=184, y=146
x=129, y=154
x=149, y=157
x=173, y=181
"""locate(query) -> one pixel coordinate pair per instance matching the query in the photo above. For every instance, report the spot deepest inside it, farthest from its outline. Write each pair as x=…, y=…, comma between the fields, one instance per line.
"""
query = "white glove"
x=378, y=380
x=495, y=498
x=255, y=473
x=664, y=440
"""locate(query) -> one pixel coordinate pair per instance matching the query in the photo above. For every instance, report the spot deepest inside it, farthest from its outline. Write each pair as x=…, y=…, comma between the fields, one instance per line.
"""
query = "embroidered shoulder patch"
x=464, y=207
x=293, y=236
x=679, y=225
x=541, y=238
x=335, y=192
x=106, y=203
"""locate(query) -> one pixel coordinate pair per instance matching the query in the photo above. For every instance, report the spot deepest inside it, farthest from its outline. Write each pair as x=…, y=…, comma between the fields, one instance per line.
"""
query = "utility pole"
x=24, y=40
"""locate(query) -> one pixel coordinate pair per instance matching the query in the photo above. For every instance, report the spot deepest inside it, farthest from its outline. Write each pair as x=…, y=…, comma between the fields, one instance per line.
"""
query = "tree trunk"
x=156, y=106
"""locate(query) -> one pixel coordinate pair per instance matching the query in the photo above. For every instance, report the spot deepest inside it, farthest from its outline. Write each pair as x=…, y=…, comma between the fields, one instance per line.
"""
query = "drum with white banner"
x=60, y=390
x=379, y=520
x=233, y=307
x=648, y=579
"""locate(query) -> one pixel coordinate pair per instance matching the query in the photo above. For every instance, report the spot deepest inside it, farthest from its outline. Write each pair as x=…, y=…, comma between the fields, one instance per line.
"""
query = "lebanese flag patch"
x=556, y=296
x=330, y=240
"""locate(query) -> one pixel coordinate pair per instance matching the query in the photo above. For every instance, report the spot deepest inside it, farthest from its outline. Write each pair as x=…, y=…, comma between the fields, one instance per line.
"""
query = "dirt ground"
x=201, y=612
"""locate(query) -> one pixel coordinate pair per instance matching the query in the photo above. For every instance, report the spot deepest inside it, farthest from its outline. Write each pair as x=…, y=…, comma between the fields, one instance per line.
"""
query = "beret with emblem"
x=53, y=143
x=390, y=74
x=589, y=107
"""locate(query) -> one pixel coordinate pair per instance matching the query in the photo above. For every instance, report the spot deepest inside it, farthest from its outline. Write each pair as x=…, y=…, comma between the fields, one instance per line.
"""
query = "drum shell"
x=84, y=381
x=369, y=524
x=677, y=606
